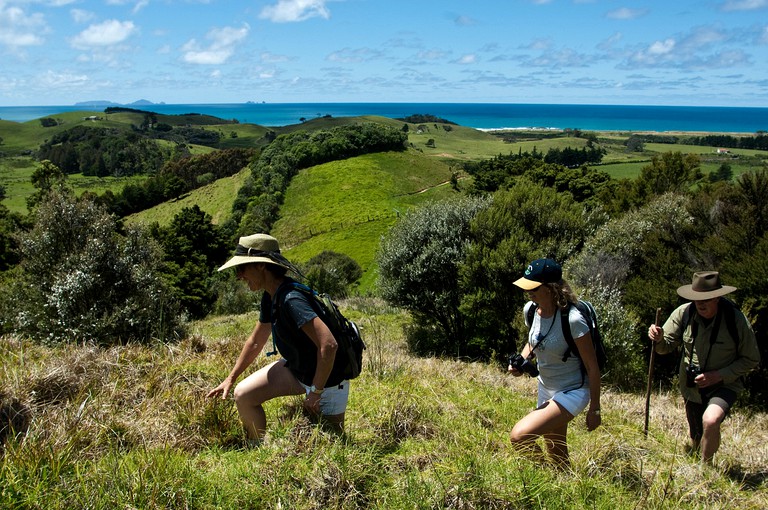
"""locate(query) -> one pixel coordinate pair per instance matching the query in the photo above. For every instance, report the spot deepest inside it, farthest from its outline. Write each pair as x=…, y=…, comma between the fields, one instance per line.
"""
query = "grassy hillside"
x=129, y=427
x=346, y=206
x=215, y=199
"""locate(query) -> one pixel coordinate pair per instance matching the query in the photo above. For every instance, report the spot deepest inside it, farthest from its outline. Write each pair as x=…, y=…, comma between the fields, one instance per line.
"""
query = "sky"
x=671, y=52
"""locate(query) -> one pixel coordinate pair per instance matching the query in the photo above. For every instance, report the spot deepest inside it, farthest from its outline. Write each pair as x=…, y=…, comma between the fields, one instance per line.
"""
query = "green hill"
x=346, y=206
x=215, y=199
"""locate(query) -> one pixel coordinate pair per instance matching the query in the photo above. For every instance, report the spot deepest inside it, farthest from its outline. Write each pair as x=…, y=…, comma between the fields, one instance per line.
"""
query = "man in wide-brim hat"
x=719, y=349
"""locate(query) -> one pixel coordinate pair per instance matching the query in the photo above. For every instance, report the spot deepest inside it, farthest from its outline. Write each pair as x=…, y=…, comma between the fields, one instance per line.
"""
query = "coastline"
x=738, y=121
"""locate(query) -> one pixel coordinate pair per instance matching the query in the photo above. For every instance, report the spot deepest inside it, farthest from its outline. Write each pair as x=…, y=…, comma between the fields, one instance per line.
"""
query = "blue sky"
x=672, y=52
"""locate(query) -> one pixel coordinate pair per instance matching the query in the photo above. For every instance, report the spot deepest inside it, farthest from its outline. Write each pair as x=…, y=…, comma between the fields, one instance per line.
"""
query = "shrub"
x=332, y=273
x=82, y=280
x=419, y=262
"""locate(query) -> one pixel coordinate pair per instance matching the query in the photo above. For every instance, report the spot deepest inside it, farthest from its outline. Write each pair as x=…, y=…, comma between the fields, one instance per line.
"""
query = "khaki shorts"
x=334, y=399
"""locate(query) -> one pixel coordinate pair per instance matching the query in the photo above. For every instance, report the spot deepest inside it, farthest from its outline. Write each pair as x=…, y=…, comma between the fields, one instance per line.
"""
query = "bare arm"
x=588, y=357
x=326, y=344
x=252, y=347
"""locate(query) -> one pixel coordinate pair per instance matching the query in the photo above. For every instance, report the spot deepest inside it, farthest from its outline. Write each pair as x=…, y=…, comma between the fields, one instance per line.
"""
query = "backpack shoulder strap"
x=566, y=325
x=530, y=313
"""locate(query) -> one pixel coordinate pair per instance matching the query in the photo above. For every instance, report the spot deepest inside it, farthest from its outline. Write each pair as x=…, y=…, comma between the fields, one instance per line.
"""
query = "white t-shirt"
x=547, y=335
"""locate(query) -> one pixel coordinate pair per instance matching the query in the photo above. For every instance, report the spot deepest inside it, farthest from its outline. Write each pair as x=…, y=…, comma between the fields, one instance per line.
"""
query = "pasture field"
x=215, y=199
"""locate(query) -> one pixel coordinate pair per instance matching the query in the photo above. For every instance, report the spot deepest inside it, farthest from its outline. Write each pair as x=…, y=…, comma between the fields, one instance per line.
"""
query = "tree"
x=670, y=172
x=333, y=273
x=635, y=143
x=46, y=178
x=723, y=173
x=419, y=262
x=193, y=248
x=522, y=224
x=82, y=279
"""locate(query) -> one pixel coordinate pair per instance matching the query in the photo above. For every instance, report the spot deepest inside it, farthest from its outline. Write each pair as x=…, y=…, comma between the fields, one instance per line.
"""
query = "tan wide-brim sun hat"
x=706, y=285
x=257, y=248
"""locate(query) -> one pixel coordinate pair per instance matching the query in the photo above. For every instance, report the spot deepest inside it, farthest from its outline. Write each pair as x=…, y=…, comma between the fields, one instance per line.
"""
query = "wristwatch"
x=595, y=412
x=314, y=389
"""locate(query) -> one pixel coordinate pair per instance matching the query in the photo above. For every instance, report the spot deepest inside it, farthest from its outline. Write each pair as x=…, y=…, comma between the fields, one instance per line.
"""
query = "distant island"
x=103, y=104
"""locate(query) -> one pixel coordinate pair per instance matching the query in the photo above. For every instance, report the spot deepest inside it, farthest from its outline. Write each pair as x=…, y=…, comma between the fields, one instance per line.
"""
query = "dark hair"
x=275, y=270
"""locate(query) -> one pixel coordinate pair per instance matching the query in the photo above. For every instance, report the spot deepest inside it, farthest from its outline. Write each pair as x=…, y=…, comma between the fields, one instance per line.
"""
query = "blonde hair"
x=562, y=293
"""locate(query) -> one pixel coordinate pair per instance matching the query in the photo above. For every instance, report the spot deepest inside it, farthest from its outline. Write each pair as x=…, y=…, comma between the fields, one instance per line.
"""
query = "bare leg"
x=550, y=421
x=557, y=447
x=710, y=440
x=265, y=384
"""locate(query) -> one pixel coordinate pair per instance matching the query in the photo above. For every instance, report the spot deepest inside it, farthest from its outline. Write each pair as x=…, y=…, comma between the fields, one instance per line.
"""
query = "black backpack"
x=345, y=331
x=590, y=316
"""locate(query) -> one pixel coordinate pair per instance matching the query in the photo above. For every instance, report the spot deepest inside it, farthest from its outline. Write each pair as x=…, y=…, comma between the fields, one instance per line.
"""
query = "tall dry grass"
x=130, y=426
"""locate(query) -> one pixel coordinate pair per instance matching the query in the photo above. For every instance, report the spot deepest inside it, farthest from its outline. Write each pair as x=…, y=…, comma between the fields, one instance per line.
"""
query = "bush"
x=332, y=273
x=525, y=223
x=419, y=262
x=82, y=280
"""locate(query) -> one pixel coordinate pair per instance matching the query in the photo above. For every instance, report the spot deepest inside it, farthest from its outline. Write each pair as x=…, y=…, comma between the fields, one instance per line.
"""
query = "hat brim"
x=242, y=259
x=527, y=284
x=687, y=292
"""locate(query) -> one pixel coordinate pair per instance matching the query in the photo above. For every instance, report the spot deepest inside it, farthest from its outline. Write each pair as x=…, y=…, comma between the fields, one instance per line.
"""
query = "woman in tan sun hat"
x=309, y=364
x=719, y=349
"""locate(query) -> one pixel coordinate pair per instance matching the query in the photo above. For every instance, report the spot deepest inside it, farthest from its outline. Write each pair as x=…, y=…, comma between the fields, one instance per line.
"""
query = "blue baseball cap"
x=540, y=271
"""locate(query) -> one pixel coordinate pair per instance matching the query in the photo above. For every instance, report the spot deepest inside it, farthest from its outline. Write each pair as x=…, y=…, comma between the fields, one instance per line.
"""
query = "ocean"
x=475, y=115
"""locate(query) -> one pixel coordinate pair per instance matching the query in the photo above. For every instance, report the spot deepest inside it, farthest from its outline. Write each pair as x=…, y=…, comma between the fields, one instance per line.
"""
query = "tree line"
x=75, y=273
x=452, y=264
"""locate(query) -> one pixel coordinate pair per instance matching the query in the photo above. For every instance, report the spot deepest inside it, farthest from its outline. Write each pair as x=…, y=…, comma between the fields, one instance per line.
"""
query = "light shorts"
x=334, y=399
x=574, y=401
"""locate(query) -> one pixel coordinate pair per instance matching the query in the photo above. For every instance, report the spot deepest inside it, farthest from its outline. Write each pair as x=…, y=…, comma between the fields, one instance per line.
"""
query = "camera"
x=691, y=372
x=523, y=365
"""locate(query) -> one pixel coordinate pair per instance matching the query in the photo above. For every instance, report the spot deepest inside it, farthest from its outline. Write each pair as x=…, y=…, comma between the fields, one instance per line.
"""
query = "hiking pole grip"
x=650, y=377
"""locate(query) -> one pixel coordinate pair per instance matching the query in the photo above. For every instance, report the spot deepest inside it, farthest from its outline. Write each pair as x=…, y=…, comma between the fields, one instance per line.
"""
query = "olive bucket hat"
x=257, y=248
x=705, y=285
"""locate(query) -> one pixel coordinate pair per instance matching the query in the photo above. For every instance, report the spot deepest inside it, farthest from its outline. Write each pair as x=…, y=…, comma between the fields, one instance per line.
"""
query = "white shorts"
x=334, y=398
x=574, y=401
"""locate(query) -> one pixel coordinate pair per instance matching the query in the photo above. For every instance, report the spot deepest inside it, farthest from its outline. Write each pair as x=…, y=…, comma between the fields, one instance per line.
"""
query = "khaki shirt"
x=731, y=357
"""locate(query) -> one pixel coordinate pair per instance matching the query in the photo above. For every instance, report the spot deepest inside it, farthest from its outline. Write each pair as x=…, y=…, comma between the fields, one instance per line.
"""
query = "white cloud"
x=286, y=11
x=354, y=56
x=81, y=15
x=626, y=13
x=221, y=48
x=465, y=21
x=744, y=5
x=17, y=28
x=107, y=33
x=661, y=47
x=138, y=4
x=53, y=79
x=273, y=58
x=467, y=59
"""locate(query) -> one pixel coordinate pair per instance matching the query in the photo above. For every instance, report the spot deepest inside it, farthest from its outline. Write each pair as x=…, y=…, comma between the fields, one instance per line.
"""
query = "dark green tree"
x=419, y=261
x=333, y=273
x=46, y=178
x=194, y=247
x=522, y=224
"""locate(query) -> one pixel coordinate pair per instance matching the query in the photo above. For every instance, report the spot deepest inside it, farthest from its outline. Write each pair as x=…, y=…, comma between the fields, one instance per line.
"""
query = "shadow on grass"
x=749, y=480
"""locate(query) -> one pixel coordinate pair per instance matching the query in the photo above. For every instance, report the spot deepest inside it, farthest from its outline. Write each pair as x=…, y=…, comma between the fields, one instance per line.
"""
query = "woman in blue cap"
x=567, y=383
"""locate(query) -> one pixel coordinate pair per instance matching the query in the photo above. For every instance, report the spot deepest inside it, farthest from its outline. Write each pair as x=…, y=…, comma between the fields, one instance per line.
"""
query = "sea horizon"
x=484, y=116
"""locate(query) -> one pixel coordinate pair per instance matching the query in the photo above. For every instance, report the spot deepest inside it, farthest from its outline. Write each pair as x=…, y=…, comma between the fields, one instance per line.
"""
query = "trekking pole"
x=650, y=377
